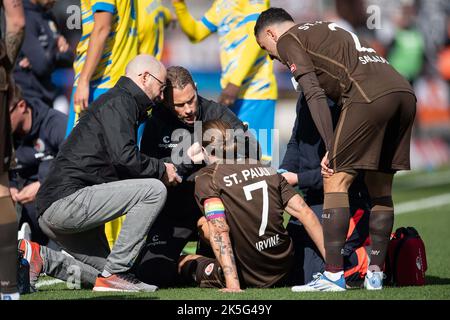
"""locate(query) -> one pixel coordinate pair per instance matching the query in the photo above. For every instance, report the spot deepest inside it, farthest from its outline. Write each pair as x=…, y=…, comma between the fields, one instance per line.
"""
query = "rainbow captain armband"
x=214, y=209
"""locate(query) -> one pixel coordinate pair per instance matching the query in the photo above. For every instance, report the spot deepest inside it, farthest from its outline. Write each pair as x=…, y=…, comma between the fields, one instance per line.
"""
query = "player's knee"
x=382, y=204
x=156, y=190
x=339, y=182
x=379, y=184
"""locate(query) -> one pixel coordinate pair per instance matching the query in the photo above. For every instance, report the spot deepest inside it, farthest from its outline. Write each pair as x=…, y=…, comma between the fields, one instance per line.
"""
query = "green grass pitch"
x=432, y=220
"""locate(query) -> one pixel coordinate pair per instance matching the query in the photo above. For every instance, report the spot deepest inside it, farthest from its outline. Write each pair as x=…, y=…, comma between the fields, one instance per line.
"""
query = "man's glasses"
x=162, y=84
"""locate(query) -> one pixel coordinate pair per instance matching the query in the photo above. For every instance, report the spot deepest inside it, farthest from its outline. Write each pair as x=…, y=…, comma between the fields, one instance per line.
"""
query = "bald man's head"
x=149, y=74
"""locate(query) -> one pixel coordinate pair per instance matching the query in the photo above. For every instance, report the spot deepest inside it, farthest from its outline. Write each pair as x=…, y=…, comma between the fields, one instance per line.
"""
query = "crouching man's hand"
x=170, y=177
x=28, y=193
x=291, y=178
x=195, y=153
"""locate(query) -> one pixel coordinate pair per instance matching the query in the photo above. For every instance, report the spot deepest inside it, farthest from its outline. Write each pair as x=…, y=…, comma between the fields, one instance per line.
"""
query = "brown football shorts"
x=205, y=272
x=374, y=136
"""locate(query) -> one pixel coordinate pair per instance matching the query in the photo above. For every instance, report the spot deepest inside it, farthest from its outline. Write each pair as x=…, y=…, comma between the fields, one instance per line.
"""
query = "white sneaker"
x=373, y=280
x=321, y=283
x=24, y=232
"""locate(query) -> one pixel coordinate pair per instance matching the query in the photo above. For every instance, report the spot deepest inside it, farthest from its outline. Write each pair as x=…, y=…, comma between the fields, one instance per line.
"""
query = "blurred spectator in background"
x=247, y=78
x=38, y=132
x=44, y=49
x=406, y=53
x=444, y=56
x=373, y=20
x=152, y=18
x=108, y=42
x=351, y=14
x=432, y=21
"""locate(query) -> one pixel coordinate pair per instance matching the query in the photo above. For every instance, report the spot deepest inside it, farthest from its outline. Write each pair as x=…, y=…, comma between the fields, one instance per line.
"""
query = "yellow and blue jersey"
x=243, y=62
x=152, y=17
x=120, y=47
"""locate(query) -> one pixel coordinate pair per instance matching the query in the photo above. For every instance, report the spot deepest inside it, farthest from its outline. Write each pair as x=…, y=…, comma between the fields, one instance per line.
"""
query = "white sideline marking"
x=426, y=203
x=48, y=283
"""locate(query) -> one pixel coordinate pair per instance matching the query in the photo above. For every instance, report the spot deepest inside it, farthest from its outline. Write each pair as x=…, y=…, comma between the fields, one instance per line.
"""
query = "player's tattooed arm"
x=219, y=235
x=15, y=28
x=297, y=208
x=221, y=244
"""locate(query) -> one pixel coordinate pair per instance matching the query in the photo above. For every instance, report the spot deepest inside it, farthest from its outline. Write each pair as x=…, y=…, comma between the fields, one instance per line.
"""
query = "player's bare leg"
x=8, y=242
x=380, y=225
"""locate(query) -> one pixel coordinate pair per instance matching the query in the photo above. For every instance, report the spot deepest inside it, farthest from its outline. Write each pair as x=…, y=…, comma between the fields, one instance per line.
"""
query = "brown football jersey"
x=347, y=68
x=254, y=198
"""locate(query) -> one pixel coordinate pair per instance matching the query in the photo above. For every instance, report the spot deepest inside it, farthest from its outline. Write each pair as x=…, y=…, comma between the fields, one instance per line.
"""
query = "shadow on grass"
x=433, y=280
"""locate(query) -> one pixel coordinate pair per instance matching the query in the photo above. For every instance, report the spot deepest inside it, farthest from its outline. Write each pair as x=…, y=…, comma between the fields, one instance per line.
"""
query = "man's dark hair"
x=178, y=77
x=14, y=96
x=271, y=16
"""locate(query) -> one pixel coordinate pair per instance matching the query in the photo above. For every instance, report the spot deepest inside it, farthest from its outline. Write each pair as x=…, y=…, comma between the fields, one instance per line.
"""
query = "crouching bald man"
x=99, y=175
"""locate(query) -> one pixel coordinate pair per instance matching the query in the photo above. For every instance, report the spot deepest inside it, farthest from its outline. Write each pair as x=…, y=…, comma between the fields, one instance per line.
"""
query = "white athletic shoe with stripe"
x=322, y=283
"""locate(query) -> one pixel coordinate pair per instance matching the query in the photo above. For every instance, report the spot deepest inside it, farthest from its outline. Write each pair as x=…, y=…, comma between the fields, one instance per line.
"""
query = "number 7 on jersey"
x=265, y=209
